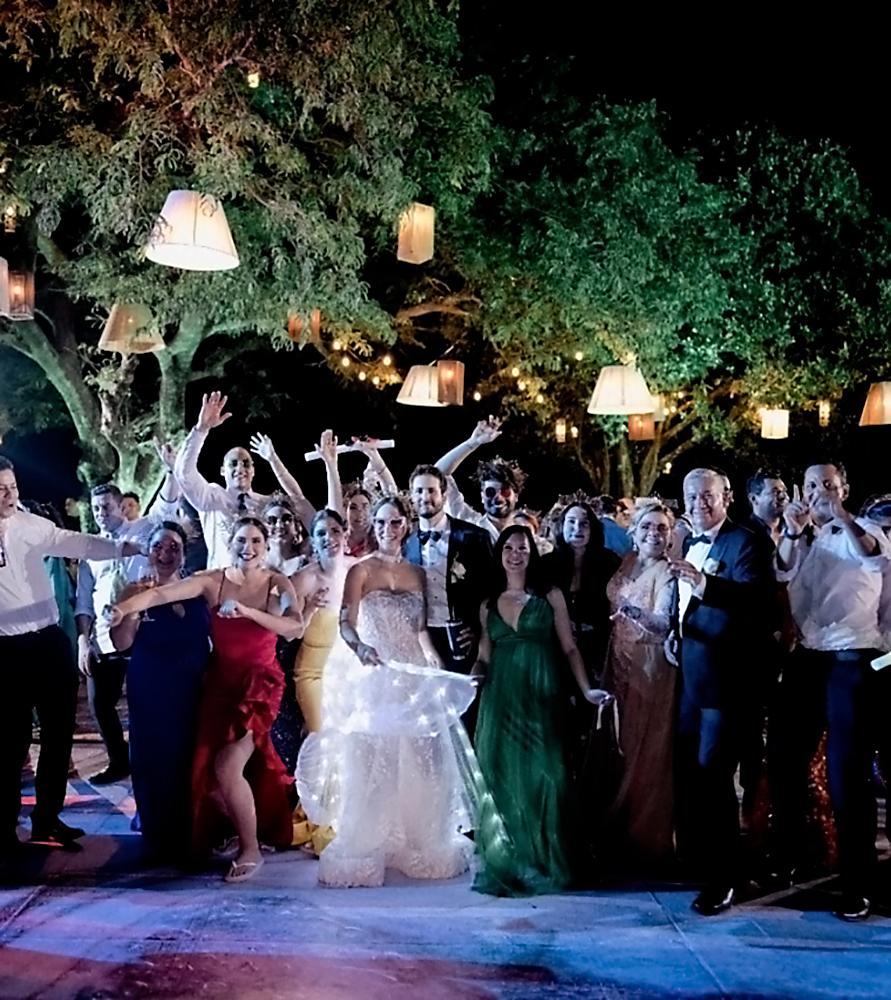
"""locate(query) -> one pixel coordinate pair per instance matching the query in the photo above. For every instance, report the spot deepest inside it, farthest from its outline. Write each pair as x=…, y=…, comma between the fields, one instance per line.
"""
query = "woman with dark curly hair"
x=524, y=833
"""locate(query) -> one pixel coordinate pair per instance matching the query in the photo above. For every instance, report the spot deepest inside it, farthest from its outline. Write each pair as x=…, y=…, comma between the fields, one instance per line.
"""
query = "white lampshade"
x=774, y=424
x=192, y=233
x=877, y=408
x=620, y=390
x=421, y=387
x=129, y=330
x=416, y=227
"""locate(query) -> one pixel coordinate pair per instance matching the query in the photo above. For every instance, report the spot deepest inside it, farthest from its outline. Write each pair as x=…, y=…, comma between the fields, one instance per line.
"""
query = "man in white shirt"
x=219, y=506
x=835, y=566
x=98, y=585
x=38, y=670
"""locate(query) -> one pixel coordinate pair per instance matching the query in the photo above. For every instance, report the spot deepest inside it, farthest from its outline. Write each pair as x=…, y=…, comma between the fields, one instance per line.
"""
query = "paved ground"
x=94, y=924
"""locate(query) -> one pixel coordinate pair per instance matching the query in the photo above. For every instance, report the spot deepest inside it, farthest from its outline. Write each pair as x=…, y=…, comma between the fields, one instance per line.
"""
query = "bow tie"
x=429, y=536
x=242, y=503
x=696, y=539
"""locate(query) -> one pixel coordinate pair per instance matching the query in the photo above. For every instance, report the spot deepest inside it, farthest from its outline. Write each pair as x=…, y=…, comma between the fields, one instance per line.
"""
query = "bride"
x=389, y=767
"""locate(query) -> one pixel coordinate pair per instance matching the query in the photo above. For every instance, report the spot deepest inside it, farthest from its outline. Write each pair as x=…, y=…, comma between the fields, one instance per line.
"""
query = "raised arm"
x=563, y=628
x=327, y=448
x=201, y=494
x=166, y=503
x=261, y=444
x=485, y=432
x=377, y=468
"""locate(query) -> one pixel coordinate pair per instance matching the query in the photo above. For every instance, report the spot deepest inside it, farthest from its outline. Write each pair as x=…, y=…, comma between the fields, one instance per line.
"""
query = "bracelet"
x=790, y=535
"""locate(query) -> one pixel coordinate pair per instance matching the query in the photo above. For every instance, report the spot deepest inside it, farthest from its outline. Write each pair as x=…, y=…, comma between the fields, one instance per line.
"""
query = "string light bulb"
x=521, y=385
x=387, y=360
x=375, y=380
x=362, y=376
x=515, y=372
x=579, y=355
x=336, y=345
x=574, y=431
x=345, y=361
x=539, y=398
x=477, y=396
x=253, y=79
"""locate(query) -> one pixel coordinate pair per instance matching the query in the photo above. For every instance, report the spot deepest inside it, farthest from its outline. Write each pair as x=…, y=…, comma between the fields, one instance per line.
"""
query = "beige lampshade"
x=451, y=382
x=129, y=330
x=416, y=226
x=641, y=427
x=295, y=327
x=621, y=390
x=192, y=233
x=560, y=430
x=421, y=387
x=19, y=297
x=774, y=424
x=877, y=408
x=659, y=408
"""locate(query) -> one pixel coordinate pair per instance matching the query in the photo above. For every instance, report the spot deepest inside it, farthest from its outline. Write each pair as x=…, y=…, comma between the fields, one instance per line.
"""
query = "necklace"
x=390, y=557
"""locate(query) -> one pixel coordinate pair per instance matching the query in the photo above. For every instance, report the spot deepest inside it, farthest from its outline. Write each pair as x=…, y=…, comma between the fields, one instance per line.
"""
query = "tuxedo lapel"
x=718, y=552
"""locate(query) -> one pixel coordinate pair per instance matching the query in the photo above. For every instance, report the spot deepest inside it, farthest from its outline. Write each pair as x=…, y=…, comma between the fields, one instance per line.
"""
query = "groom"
x=457, y=560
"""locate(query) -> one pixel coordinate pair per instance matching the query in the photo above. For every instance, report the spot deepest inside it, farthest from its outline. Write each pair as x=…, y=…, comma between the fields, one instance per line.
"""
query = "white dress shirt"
x=835, y=590
x=697, y=555
x=457, y=506
x=27, y=601
x=435, y=559
x=218, y=509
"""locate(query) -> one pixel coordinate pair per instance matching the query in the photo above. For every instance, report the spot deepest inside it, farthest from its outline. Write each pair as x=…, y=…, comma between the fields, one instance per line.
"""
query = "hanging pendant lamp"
x=877, y=408
x=620, y=390
x=774, y=424
x=192, y=233
x=421, y=387
x=416, y=227
x=129, y=330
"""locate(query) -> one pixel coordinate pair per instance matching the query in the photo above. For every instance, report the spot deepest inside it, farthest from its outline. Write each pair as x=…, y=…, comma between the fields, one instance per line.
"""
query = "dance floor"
x=91, y=924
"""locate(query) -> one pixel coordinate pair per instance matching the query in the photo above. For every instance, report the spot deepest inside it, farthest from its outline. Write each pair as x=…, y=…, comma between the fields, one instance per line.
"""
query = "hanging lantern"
x=659, y=412
x=192, y=233
x=295, y=327
x=416, y=225
x=774, y=424
x=877, y=408
x=421, y=387
x=560, y=430
x=574, y=431
x=824, y=408
x=18, y=297
x=641, y=427
x=129, y=330
x=621, y=390
x=4, y=287
x=451, y=382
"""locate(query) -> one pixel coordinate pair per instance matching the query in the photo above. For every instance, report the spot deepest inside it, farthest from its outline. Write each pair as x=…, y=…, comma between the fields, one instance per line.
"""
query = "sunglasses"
x=490, y=491
x=272, y=519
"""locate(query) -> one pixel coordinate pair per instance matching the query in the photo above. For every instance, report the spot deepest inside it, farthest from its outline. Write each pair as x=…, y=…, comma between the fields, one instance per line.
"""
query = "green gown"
x=523, y=826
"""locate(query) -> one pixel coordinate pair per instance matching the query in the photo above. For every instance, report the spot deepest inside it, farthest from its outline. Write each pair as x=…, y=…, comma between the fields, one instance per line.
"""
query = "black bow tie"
x=242, y=503
x=696, y=539
x=429, y=536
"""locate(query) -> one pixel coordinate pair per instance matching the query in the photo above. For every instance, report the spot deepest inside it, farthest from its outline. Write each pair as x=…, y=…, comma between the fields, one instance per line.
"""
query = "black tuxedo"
x=468, y=576
x=722, y=633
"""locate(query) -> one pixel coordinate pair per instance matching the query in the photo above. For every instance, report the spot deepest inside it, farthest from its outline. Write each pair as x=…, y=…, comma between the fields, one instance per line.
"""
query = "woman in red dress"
x=238, y=780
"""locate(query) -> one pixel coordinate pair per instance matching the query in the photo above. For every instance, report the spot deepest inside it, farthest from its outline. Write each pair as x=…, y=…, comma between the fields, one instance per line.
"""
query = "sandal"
x=241, y=871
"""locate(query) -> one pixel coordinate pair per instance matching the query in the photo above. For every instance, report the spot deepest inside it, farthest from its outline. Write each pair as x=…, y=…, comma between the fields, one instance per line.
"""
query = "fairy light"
x=362, y=376
x=574, y=431
x=375, y=380
x=515, y=372
x=477, y=396
x=521, y=385
x=387, y=360
x=539, y=398
x=345, y=361
x=253, y=79
x=336, y=345
x=579, y=355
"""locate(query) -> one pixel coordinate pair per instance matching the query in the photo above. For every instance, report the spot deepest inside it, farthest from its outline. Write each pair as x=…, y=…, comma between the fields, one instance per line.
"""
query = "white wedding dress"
x=391, y=767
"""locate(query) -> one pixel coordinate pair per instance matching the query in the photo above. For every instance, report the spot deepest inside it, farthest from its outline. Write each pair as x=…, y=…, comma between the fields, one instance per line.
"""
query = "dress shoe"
x=713, y=900
x=110, y=775
x=56, y=834
x=853, y=908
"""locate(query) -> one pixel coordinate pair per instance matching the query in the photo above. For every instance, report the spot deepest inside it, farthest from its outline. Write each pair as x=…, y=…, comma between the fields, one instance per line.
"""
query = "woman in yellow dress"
x=325, y=577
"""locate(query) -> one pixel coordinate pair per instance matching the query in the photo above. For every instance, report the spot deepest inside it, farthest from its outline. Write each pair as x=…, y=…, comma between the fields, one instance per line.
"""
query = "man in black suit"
x=724, y=586
x=457, y=560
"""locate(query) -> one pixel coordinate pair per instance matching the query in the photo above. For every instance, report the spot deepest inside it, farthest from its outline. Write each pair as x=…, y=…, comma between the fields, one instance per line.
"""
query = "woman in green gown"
x=524, y=830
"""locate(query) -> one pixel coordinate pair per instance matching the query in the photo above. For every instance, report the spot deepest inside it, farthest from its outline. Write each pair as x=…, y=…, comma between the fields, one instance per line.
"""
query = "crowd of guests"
x=373, y=680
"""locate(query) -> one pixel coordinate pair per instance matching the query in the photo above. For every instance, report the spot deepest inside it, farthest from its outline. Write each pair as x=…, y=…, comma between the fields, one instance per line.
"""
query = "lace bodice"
x=390, y=621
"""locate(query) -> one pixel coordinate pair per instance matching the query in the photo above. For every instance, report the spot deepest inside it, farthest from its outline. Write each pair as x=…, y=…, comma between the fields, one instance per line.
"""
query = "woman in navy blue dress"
x=169, y=648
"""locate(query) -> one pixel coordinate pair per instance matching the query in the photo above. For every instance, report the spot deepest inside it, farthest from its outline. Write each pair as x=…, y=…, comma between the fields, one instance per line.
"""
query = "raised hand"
x=486, y=431
x=797, y=514
x=327, y=447
x=261, y=444
x=212, y=415
x=166, y=452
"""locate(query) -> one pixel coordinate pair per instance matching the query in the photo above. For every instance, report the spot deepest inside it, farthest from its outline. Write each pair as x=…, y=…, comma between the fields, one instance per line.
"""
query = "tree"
x=359, y=109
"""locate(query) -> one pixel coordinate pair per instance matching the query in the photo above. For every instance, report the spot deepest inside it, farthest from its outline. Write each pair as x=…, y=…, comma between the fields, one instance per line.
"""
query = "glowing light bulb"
x=362, y=376
x=515, y=372
x=477, y=396
x=253, y=79
x=375, y=380
x=579, y=355
x=539, y=398
x=345, y=361
x=336, y=345
x=521, y=385
x=574, y=431
x=387, y=360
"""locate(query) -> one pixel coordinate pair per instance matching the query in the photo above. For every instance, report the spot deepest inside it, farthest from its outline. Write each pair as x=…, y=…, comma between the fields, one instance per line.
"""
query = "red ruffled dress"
x=243, y=690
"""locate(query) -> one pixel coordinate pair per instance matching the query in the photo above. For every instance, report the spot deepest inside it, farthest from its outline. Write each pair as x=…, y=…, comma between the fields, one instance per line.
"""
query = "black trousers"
x=104, y=689
x=836, y=692
x=38, y=673
x=707, y=809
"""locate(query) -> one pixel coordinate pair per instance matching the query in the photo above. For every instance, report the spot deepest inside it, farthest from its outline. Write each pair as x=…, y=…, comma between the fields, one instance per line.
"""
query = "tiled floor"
x=94, y=924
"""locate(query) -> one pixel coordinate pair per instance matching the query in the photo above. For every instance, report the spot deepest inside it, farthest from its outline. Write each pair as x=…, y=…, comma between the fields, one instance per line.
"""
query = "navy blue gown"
x=164, y=681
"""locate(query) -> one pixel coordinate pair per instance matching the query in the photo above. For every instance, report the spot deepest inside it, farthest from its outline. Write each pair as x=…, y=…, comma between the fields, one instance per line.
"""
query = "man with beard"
x=835, y=564
x=457, y=560
x=500, y=482
x=219, y=506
